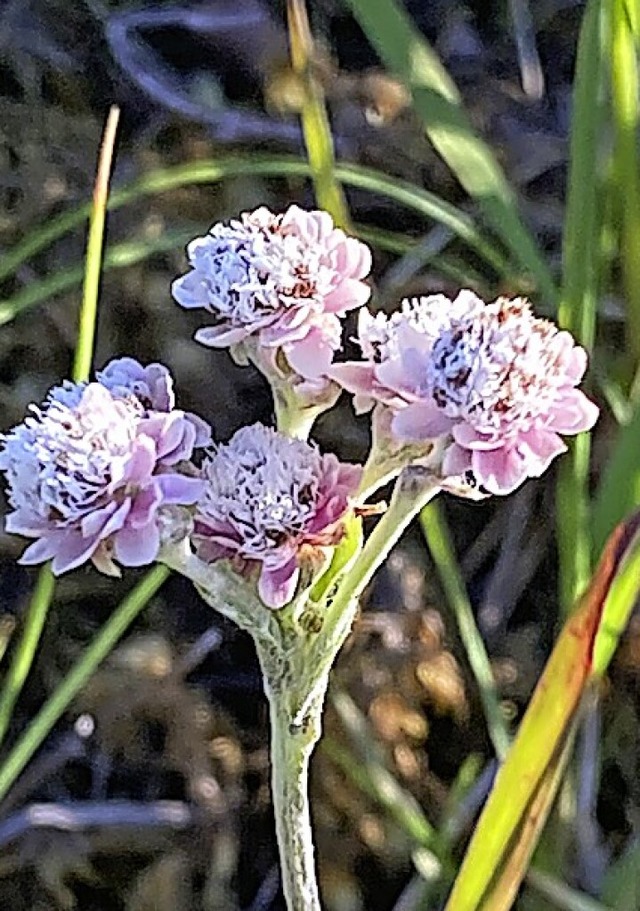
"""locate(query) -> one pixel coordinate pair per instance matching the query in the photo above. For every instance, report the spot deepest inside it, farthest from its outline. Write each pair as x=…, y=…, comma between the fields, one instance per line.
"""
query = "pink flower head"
x=87, y=474
x=500, y=383
x=270, y=502
x=280, y=281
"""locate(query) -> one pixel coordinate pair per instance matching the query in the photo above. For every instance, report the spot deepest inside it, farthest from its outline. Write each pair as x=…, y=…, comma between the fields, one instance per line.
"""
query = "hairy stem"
x=291, y=749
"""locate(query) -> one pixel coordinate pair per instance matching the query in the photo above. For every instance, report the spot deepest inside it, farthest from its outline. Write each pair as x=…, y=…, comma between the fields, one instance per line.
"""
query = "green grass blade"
x=404, y=193
x=315, y=123
x=436, y=100
x=621, y=598
x=619, y=488
x=118, y=257
x=93, y=268
x=579, y=293
x=27, y=646
x=438, y=539
x=375, y=778
x=62, y=697
x=40, y=602
x=626, y=161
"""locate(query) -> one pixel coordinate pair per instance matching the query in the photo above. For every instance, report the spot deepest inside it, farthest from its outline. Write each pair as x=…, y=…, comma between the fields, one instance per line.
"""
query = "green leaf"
x=622, y=596
x=619, y=488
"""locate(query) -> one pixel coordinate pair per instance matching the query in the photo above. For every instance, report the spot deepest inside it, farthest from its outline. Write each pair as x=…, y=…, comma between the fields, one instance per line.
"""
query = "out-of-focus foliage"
x=161, y=766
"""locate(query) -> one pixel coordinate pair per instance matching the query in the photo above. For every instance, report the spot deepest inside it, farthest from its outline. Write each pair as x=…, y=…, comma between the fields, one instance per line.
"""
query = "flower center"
x=498, y=370
x=61, y=462
x=265, y=485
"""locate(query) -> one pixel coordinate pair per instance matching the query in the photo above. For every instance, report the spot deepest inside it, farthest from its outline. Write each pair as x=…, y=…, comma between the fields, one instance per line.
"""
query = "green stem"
x=315, y=121
x=75, y=680
x=25, y=653
x=413, y=490
x=292, y=417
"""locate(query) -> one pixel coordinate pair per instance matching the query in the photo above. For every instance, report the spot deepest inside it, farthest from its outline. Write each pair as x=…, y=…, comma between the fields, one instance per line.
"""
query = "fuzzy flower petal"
x=269, y=502
x=284, y=279
x=496, y=381
x=152, y=388
x=88, y=471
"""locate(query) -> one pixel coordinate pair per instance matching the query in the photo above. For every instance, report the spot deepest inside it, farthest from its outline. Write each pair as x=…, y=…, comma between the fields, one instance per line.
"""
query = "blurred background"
x=156, y=783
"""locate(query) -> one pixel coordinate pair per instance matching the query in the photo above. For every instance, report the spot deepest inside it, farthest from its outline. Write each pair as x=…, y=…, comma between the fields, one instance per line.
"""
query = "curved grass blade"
x=437, y=101
x=406, y=194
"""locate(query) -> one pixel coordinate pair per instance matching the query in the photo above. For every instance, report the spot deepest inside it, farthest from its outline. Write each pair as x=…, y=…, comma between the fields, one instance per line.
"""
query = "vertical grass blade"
x=95, y=244
x=438, y=539
x=436, y=100
x=626, y=118
x=38, y=608
x=579, y=293
x=315, y=123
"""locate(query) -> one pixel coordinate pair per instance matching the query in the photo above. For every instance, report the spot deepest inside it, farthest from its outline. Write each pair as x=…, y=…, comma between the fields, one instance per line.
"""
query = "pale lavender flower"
x=272, y=503
x=151, y=387
x=496, y=381
x=89, y=471
x=277, y=282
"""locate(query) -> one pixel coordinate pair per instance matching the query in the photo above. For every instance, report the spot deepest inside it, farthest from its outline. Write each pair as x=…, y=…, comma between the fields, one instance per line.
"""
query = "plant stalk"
x=291, y=749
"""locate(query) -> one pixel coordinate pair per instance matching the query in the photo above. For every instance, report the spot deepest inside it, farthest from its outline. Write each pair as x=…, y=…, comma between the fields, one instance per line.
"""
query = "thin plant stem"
x=296, y=663
x=414, y=489
x=42, y=597
x=78, y=676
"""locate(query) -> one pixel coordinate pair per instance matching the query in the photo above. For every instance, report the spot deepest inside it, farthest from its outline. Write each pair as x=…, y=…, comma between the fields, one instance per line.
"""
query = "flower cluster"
x=272, y=503
x=89, y=470
x=278, y=282
x=494, y=379
x=472, y=391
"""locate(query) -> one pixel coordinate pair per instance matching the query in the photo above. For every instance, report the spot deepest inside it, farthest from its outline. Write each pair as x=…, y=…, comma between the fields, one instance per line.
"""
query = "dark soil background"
x=157, y=782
